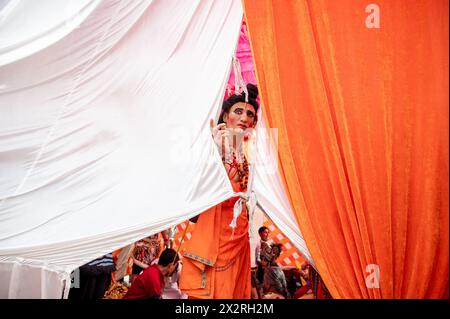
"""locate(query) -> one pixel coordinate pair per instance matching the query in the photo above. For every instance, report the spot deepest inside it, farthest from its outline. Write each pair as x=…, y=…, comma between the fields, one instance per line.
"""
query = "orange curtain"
x=362, y=115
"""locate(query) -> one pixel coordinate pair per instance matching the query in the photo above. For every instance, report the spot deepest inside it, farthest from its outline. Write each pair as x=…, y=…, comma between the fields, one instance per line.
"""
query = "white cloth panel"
x=29, y=26
x=29, y=279
x=270, y=191
x=104, y=134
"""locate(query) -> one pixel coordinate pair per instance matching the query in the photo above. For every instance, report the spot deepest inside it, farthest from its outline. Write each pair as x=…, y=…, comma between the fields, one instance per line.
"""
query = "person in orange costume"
x=216, y=261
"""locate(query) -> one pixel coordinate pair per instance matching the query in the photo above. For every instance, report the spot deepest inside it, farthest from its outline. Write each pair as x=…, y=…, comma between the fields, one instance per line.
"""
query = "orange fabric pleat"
x=362, y=116
x=216, y=263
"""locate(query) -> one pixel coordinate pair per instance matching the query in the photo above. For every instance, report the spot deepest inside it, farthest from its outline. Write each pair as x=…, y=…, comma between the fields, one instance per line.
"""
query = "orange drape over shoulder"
x=216, y=261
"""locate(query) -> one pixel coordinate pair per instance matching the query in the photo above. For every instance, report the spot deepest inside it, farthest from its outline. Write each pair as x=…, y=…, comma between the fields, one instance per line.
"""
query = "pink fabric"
x=244, y=55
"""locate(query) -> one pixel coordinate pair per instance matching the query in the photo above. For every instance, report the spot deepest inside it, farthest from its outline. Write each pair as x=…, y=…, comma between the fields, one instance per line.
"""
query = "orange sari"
x=216, y=261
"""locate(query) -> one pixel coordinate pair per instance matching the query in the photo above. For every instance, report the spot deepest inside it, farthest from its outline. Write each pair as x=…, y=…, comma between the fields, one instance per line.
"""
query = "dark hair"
x=167, y=257
x=278, y=246
x=236, y=98
x=261, y=229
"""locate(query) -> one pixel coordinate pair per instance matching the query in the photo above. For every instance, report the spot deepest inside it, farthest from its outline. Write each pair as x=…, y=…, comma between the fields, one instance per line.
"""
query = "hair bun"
x=252, y=91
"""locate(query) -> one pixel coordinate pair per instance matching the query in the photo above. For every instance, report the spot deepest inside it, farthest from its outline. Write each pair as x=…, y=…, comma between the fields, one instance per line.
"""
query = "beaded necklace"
x=241, y=170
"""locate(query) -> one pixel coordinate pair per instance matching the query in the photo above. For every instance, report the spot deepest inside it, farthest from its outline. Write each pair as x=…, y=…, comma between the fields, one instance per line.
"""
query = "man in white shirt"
x=263, y=243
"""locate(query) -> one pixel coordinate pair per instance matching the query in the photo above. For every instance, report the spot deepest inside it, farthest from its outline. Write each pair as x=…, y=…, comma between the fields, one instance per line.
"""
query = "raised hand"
x=223, y=139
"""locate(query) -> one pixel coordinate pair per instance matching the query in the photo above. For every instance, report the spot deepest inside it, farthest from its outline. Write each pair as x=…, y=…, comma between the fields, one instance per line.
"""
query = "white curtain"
x=268, y=186
x=104, y=130
x=27, y=27
x=104, y=134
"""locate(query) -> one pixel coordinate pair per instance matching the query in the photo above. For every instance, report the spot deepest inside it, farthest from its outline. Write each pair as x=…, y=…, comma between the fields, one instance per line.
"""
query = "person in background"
x=262, y=245
x=95, y=278
x=274, y=282
x=150, y=283
x=304, y=273
x=122, y=261
x=144, y=252
x=167, y=238
x=171, y=283
x=171, y=289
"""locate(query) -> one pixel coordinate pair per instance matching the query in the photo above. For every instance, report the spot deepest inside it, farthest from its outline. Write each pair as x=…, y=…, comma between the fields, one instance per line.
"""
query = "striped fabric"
x=101, y=265
x=104, y=261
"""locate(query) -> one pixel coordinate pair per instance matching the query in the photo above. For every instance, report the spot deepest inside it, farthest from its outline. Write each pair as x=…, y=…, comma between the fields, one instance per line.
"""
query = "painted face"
x=241, y=115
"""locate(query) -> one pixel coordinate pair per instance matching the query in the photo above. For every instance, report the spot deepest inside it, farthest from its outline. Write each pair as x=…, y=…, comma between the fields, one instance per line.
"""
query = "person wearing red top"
x=150, y=284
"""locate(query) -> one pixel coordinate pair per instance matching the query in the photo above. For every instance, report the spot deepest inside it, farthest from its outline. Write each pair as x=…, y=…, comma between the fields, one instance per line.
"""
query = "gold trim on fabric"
x=223, y=268
x=203, y=279
x=198, y=258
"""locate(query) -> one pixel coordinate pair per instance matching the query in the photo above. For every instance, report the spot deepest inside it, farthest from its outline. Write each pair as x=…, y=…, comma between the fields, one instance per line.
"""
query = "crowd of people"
x=151, y=268
x=272, y=281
